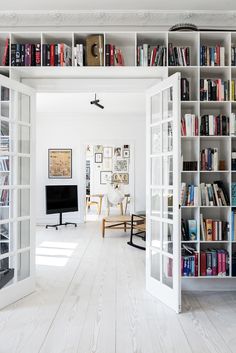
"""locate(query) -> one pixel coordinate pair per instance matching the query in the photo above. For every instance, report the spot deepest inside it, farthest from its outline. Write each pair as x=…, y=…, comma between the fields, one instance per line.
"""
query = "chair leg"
x=103, y=227
x=121, y=208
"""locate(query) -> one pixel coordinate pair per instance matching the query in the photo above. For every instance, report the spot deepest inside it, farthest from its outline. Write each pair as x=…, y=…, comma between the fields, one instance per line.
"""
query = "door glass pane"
x=4, y=204
x=167, y=271
x=23, y=202
x=156, y=202
x=167, y=104
x=155, y=264
x=24, y=108
x=4, y=137
x=6, y=239
x=167, y=170
x=156, y=234
x=156, y=171
x=5, y=94
x=7, y=271
x=156, y=139
x=156, y=108
x=5, y=111
x=24, y=139
x=23, y=171
x=23, y=234
x=167, y=204
x=23, y=265
x=167, y=137
x=167, y=237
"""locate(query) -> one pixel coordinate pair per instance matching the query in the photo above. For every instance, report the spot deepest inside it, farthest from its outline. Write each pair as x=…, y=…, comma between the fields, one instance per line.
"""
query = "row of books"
x=214, y=90
x=233, y=160
x=210, y=159
x=56, y=54
x=233, y=90
x=4, y=197
x=114, y=56
x=213, y=230
x=233, y=56
x=212, y=125
x=189, y=165
x=189, y=261
x=79, y=55
x=151, y=55
x=189, y=125
x=185, y=89
x=26, y=54
x=233, y=124
x=189, y=229
x=4, y=164
x=178, y=56
x=4, y=143
x=212, y=56
x=205, y=195
x=214, y=262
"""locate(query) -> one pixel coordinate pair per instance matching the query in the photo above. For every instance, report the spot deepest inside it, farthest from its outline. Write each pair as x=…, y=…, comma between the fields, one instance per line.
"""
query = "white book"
x=193, y=124
x=188, y=122
x=215, y=159
x=203, y=235
x=211, y=125
x=206, y=195
x=232, y=123
x=222, y=56
x=145, y=54
x=195, y=202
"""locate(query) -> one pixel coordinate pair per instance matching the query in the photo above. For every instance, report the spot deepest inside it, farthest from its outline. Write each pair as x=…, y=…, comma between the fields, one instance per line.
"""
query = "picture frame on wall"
x=117, y=152
x=105, y=177
x=98, y=149
x=60, y=163
x=107, y=152
x=122, y=178
x=107, y=164
x=98, y=158
x=126, y=153
x=121, y=165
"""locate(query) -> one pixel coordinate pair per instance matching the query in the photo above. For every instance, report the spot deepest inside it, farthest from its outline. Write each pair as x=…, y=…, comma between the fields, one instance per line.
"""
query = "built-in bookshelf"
x=207, y=63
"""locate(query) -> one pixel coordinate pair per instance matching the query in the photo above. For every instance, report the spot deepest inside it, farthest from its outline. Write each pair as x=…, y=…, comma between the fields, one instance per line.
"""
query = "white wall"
x=58, y=127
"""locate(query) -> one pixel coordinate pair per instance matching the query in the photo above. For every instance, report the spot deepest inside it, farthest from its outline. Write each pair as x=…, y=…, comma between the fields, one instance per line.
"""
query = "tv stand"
x=60, y=224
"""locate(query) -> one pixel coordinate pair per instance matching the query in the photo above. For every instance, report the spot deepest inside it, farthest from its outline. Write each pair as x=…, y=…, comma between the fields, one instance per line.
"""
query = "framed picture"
x=120, y=178
x=98, y=149
x=107, y=152
x=126, y=153
x=60, y=163
x=98, y=158
x=105, y=177
x=121, y=165
x=107, y=164
x=89, y=150
x=117, y=152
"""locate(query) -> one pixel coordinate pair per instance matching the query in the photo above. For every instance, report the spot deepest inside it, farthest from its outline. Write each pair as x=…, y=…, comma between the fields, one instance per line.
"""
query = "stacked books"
x=214, y=194
x=189, y=262
x=212, y=56
x=189, y=229
x=214, y=125
x=210, y=159
x=79, y=55
x=185, y=96
x=189, y=195
x=232, y=124
x=233, y=56
x=114, y=56
x=5, y=58
x=213, y=230
x=189, y=125
x=214, y=90
x=151, y=55
x=214, y=262
x=189, y=165
x=26, y=54
x=4, y=198
x=178, y=56
x=57, y=55
x=4, y=164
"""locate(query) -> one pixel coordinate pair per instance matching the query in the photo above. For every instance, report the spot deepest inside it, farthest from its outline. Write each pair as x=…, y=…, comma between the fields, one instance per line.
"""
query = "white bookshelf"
x=191, y=146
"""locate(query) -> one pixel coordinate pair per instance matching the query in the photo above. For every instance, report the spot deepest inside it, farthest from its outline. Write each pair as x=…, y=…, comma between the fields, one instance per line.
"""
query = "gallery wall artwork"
x=60, y=163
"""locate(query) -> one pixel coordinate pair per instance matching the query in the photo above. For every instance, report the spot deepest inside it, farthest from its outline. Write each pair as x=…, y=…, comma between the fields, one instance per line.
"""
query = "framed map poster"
x=60, y=163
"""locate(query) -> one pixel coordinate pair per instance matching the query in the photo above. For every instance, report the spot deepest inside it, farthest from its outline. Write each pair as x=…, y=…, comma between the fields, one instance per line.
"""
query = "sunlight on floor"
x=56, y=253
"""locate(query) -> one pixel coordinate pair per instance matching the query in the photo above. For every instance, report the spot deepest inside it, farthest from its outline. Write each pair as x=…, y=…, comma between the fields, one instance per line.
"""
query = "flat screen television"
x=61, y=198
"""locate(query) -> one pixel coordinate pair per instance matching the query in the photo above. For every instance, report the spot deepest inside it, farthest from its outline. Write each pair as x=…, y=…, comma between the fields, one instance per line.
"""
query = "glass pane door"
x=163, y=237
x=16, y=191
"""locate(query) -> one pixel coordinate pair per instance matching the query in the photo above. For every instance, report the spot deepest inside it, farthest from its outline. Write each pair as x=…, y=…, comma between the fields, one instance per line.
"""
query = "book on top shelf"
x=79, y=55
x=148, y=55
x=57, y=55
x=178, y=56
x=212, y=56
x=113, y=56
x=5, y=58
x=26, y=54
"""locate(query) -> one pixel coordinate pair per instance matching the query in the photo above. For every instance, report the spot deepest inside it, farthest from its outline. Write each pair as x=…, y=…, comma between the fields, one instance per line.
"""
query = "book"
x=5, y=58
x=178, y=56
x=189, y=125
x=214, y=262
x=192, y=229
x=214, y=90
x=59, y=54
x=148, y=55
x=212, y=56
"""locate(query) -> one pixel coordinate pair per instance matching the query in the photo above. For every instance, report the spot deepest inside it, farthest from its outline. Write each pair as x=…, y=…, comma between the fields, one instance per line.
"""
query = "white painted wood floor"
x=91, y=298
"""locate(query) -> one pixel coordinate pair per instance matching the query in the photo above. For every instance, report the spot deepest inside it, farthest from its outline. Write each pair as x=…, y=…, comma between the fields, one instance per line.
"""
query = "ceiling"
x=191, y=5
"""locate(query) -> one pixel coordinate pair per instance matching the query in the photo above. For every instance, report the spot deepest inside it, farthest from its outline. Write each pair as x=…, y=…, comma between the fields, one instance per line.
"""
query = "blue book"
x=192, y=229
x=232, y=225
x=233, y=193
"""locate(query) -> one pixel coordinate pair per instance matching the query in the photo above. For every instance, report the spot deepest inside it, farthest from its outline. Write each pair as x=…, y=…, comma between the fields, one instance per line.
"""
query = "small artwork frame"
x=59, y=163
x=98, y=149
x=122, y=178
x=98, y=158
x=117, y=152
x=126, y=153
x=105, y=177
x=107, y=152
x=107, y=164
x=121, y=165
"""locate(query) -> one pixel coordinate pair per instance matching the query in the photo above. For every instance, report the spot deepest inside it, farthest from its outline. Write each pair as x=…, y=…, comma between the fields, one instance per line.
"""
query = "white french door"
x=163, y=273
x=17, y=179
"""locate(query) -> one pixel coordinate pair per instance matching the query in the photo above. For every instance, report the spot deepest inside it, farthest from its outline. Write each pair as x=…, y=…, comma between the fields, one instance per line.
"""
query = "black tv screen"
x=61, y=198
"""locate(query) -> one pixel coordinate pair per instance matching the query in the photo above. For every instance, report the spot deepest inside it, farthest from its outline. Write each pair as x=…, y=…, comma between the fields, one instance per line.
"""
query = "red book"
x=203, y=263
x=223, y=255
x=219, y=260
x=62, y=61
x=112, y=61
x=196, y=264
x=214, y=230
x=5, y=59
x=38, y=54
x=154, y=56
x=52, y=56
x=196, y=126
